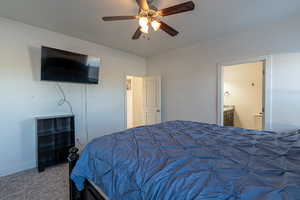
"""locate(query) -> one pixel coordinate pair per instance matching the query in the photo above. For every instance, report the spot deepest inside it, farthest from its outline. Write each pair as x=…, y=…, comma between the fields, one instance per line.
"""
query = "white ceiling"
x=210, y=19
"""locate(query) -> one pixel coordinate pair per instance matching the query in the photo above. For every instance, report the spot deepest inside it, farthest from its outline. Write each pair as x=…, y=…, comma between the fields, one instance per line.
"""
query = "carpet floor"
x=52, y=184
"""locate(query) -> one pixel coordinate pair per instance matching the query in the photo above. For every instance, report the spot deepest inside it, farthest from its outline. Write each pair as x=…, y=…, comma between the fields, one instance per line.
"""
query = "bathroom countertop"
x=227, y=108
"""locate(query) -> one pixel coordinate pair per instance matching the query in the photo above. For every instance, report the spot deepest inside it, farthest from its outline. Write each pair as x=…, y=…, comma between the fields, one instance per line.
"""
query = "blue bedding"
x=191, y=160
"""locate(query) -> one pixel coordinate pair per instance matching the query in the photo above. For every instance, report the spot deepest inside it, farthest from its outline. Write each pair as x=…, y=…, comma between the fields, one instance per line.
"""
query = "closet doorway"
x=242, y=95
x=143, y=101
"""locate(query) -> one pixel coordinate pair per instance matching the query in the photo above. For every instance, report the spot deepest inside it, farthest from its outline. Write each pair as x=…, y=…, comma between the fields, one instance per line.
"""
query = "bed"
x=187, y=160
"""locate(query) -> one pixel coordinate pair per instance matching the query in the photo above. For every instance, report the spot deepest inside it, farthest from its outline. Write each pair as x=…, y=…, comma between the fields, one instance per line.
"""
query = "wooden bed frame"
x=89, y=192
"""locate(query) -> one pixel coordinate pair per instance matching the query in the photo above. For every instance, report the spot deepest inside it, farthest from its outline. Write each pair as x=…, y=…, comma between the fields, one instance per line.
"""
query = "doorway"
x=134, y=95
x=243, y=101
x=143, y=101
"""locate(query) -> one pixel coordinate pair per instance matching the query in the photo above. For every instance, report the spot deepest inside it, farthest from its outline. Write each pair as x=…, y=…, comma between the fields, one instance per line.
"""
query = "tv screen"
x=64, y=66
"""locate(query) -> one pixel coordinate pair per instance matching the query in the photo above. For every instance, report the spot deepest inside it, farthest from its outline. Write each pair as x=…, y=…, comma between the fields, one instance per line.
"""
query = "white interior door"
x=152, y=100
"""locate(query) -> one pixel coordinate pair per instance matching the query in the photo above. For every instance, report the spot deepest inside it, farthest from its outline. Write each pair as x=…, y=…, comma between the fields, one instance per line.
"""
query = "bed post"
x=72, y=159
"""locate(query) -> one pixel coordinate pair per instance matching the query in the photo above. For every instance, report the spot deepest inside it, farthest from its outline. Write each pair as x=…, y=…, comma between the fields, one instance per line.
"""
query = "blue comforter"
x=191, y=160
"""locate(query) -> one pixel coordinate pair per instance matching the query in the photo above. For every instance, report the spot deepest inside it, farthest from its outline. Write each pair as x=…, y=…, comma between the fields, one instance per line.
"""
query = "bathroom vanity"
x=228, y=115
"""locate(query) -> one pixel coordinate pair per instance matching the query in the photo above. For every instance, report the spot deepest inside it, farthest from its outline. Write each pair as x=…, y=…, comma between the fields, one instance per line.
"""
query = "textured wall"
x=24, y=96
x=189, y=85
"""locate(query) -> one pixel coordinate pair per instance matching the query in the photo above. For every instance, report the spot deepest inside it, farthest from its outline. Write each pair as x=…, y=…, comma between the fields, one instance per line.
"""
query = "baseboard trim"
x=18, y=168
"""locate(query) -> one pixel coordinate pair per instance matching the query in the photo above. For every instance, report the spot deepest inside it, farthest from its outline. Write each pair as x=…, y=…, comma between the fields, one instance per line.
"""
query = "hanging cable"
x=64, y=100
x=61, y=102
x=80, y=146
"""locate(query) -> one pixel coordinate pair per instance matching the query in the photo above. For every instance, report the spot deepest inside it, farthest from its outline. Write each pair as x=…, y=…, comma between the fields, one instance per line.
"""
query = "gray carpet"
x=52, y=184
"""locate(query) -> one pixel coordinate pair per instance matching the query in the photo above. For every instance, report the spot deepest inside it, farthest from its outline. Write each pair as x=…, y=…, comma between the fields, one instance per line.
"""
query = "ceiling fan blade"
x=137, y=34
x=143, y=4
x=168, y=29
x=180, y=8
x=117, y=18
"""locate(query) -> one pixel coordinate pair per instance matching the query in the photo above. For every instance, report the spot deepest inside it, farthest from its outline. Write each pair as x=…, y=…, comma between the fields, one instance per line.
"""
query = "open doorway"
x=134, y=95
x=244, y=93
x=143, y=101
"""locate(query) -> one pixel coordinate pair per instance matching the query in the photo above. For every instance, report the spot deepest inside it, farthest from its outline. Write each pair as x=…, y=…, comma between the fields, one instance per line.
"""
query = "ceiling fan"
x=150, y=15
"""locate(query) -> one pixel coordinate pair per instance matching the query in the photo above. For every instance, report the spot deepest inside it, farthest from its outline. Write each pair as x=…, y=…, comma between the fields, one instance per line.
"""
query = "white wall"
x=189, y=85
x=286, y=92
x=244, y=84
x=24, y=96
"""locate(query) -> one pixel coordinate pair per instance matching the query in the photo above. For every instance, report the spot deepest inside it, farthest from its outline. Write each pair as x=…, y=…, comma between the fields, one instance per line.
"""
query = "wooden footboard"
x=72, y=159
x=89, y=192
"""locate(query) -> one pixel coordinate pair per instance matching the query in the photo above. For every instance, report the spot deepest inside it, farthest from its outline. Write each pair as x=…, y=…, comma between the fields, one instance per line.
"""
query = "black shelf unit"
x=55, y=135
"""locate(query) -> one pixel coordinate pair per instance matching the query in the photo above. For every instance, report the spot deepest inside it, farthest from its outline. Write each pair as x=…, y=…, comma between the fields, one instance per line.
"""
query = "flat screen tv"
x=64, y=66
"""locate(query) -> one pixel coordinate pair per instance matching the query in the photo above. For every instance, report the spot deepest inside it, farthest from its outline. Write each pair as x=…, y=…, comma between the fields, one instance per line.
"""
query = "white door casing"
x=267, y=88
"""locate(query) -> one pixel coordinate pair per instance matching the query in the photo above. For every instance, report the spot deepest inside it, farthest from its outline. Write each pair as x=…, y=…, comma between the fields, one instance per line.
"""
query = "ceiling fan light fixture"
x=143, y=21
x=155, y=25
x=145, y=29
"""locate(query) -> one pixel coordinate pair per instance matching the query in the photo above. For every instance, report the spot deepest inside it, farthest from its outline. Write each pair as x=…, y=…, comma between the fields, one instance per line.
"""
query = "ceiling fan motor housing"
x=149, y=13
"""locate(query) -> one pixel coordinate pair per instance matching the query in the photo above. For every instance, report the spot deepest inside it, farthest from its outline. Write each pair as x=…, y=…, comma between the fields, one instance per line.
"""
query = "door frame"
x=125, y=96
x=267, y=88
x=125, y=99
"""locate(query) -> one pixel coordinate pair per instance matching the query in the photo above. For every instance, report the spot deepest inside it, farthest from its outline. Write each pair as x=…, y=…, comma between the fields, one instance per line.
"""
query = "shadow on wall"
x=284, y=127
x=286, y=107
x=237, y=121
x=35, y=59
x=28, y=141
